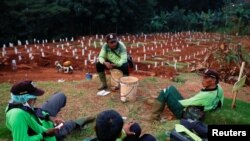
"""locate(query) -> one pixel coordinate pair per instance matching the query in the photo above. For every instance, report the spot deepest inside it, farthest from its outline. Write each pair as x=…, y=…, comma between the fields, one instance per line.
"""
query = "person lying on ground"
x=28, y=123
x=210, y=97
x=110, y=126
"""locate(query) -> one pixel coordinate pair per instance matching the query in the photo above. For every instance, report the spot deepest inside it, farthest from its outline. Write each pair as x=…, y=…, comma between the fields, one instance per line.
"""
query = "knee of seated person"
x=125, y=65
x=171, y=87
x=98, y=64
x=61, y=96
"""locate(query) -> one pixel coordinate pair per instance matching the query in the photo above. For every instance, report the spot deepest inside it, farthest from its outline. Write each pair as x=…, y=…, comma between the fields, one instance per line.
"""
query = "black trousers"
x=124, y=68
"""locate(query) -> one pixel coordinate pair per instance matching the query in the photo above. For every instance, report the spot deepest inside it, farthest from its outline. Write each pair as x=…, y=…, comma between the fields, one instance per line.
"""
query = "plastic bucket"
x=115, y=77
x=129, y=86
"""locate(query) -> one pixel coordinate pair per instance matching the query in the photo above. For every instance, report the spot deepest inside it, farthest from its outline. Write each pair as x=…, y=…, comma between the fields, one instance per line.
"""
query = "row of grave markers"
x=74, y=51
x=179, y=35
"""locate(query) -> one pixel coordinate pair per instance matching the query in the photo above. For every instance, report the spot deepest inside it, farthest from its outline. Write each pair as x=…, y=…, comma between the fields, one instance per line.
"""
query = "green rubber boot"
x=81, y=122
x=103, y=80
x=158, y=108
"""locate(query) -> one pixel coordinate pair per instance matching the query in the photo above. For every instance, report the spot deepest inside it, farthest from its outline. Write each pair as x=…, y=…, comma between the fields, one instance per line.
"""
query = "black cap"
x=212, y=73
x=111, y=37
x=26, y=87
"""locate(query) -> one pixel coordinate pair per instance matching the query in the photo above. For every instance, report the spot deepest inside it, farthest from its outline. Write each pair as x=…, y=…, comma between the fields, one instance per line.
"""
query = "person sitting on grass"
x=28, y=123
x=210, y=97
x=109, y=126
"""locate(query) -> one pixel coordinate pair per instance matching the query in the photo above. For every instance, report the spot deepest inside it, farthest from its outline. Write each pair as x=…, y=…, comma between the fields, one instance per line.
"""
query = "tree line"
x=54, y=19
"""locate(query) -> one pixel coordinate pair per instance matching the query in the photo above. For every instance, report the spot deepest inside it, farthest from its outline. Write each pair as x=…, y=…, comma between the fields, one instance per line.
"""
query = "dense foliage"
x=53, y=19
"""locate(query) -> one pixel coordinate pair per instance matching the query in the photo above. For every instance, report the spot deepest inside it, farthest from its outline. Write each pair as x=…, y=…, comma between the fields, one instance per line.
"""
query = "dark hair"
x=109, y=125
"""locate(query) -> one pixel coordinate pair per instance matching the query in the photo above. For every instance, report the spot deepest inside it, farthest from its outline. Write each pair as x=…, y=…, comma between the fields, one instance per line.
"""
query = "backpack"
x=189, y=130
x=194, y=112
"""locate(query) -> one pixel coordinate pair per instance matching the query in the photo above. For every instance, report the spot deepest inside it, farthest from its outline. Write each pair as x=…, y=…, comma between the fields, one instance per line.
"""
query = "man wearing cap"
x=110, y=126
x=211, y=96
x=28, y=123
x=112, y=55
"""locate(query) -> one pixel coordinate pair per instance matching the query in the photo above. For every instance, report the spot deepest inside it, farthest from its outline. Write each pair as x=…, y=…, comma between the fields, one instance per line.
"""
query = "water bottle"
x=88, y=76
x=13, y=65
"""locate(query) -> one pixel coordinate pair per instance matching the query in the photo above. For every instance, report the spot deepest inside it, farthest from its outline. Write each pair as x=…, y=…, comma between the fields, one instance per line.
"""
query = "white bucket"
x=115, y=77
x=129, y=86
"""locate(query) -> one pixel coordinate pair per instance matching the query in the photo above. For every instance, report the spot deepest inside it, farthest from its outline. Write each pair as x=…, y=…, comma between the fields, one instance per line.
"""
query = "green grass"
x=227, y=115
x=82, y=101
x=4, y=90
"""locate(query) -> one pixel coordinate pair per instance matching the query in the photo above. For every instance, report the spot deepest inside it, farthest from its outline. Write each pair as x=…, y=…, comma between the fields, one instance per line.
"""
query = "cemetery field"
x=162, y=55
x=160, y=60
